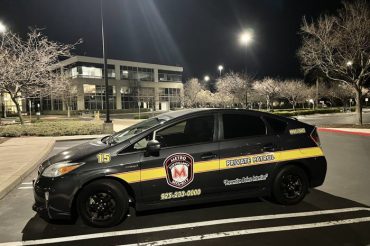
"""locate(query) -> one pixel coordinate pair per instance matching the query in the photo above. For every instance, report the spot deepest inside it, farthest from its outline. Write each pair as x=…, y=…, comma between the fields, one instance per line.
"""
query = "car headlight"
x=60, y=168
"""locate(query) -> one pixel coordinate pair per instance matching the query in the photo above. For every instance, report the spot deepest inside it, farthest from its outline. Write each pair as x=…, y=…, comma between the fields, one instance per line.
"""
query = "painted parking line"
x=25, y=187
x=251, y=231
x=205, y=223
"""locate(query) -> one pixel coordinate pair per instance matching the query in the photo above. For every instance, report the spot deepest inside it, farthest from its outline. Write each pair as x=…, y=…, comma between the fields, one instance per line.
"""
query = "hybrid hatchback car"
x=180, y=158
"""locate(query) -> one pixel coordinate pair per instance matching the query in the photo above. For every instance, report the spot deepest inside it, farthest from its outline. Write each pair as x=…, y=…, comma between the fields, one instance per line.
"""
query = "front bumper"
x=54, y=197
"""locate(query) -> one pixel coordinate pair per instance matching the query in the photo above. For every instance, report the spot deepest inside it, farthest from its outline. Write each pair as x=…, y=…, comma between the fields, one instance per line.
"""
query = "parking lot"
x=335, y=214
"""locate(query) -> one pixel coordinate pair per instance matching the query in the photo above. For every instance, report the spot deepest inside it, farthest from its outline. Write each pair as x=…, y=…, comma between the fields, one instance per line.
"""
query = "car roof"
x=183, y=112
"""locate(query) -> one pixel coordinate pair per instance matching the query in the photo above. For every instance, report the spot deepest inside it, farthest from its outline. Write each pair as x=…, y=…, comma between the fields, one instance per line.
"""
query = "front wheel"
x=102, y=203
x=290, y=185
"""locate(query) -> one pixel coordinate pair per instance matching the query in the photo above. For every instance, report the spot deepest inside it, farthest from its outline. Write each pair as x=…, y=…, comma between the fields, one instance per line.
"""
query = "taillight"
x=315, y=137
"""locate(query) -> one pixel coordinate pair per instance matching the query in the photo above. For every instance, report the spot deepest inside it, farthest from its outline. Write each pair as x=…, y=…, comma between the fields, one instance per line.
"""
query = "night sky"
x=196, y=34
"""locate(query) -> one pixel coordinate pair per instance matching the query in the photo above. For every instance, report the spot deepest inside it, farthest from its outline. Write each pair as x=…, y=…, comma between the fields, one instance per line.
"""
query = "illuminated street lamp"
x=220, y=68
x=206, y=78
x=2, y=28
x=246, y=37
x=349, y=63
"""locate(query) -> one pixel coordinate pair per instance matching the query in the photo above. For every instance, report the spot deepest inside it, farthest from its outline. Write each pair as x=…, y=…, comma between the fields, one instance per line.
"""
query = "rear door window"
x=278, y=126
x=242, y=125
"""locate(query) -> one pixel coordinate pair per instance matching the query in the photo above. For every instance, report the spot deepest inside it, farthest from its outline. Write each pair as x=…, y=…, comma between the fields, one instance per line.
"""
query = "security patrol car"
x=179, y=158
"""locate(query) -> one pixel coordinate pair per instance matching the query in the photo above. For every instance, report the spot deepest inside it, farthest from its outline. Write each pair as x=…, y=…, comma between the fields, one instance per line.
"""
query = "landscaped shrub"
x=307, y=112
x=53, y=128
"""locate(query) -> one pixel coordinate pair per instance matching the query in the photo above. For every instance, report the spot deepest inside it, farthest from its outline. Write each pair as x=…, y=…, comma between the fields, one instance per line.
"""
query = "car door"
x=187, y=166
x=247, y=152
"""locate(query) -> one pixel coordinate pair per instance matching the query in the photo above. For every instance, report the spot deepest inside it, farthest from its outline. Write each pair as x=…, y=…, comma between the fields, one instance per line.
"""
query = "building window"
x=129, y=73
x=166, y=76
x=89, y=70
x=130, y=97
x=46, y=103
x=94, y=96
x=135, y=73
x=170, y=95
x=145, y=74
x=57, y=104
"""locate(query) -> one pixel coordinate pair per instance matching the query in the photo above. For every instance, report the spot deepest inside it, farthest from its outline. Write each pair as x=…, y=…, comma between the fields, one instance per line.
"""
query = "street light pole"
x=3, y=106
x=105, y=69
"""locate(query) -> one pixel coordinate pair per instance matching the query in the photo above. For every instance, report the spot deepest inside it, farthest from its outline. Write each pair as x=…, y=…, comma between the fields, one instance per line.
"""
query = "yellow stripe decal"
x=225, y=163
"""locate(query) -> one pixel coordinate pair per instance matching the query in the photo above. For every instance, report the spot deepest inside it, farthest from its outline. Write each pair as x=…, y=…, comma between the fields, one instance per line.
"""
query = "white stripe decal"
x=27, y=183
x=183, y=226
x=251, y=231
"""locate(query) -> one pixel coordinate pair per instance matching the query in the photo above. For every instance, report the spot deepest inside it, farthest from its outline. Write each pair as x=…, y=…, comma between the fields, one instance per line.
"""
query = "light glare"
x=246, y=37
x=2, y=28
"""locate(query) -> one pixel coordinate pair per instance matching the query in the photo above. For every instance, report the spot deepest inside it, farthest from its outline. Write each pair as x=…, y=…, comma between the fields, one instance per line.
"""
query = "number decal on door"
x=103, y=158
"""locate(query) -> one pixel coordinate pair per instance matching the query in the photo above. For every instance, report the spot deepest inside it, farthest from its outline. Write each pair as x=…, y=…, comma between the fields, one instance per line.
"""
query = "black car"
x=180, y=158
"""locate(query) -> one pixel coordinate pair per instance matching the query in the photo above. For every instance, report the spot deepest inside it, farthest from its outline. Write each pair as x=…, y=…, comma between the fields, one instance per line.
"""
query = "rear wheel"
x=290, y=185
x=102, y=203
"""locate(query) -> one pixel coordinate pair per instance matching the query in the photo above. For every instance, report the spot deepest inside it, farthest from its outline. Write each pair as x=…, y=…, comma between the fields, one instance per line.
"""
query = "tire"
x=290, y=185
x=103, y=203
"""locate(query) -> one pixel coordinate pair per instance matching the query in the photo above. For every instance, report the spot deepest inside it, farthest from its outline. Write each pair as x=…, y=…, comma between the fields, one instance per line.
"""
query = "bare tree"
x=63, y=88
x=339, y=47
x=191, y=90
x=235, y=85
x=294, y=91
x=26, y=65
x=268, y=88
x=204, y=98
x=342, y=92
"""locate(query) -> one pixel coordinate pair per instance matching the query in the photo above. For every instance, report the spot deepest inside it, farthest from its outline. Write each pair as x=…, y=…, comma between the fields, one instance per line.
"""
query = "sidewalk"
x=19, y=157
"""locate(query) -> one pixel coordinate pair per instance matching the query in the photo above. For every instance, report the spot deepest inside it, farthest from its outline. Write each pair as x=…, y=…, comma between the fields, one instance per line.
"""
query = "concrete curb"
x=77, y=137
x=354, y=131
x=20, y=175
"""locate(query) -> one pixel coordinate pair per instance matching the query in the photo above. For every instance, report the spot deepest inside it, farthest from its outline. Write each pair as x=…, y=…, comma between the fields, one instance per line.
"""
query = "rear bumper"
x=317, y=170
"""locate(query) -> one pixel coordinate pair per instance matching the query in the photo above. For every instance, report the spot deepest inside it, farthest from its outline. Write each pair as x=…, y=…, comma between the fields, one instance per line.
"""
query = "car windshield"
x=133, y=130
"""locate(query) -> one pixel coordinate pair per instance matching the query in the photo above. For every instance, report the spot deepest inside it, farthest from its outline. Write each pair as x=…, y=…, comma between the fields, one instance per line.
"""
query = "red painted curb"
x=344, y=132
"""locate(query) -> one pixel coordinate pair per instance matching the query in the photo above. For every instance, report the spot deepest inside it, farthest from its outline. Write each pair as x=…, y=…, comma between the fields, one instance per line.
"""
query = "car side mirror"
x=153, y=147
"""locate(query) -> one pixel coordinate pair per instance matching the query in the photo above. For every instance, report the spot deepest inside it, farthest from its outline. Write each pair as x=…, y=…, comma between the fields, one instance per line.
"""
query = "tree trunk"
x=246, y=100
x=68, y=111
x=359, y=106
x=19, y=111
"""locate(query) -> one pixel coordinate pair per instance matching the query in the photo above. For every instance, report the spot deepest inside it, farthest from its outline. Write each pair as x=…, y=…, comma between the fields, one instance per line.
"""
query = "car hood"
x=76, y=153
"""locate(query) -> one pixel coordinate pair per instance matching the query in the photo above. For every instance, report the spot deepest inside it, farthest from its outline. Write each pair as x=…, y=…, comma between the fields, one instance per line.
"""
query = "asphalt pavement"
x=335, y=214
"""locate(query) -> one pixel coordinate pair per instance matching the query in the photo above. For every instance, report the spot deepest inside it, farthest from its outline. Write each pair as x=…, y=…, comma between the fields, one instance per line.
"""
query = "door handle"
x=268, y=148
x=208, y=156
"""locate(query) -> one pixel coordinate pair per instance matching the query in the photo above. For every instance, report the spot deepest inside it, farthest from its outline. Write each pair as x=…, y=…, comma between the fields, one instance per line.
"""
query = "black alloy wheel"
x=103, y=203
x=290, y=185
x=101, y=206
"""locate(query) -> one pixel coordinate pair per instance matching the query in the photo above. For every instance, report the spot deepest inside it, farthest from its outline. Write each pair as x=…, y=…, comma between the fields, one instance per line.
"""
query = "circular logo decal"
x=179, y=170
